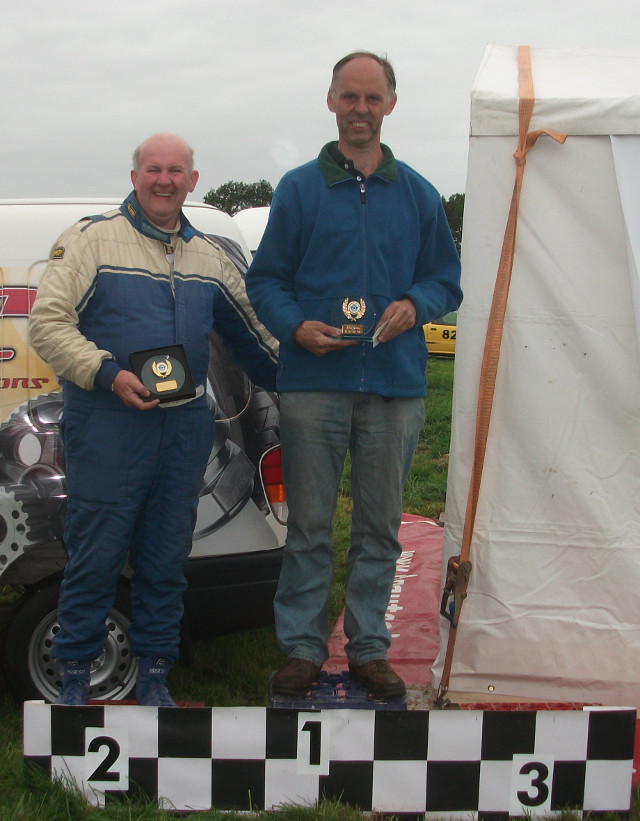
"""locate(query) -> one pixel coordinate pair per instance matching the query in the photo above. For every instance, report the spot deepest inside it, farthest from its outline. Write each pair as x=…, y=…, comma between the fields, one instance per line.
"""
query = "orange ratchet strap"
x=459, y=567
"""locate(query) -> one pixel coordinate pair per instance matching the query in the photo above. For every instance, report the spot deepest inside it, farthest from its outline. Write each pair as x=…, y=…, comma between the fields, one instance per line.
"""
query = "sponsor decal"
x=35, y=383
x=16, y=300
x=6, y=354
x=403, y=565
x=57, y=253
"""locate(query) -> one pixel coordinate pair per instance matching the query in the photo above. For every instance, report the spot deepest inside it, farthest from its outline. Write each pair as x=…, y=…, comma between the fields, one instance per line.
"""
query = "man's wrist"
x=106, y=374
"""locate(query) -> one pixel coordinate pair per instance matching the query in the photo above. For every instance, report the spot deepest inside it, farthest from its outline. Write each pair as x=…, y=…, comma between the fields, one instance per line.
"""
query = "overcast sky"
x=245, y=82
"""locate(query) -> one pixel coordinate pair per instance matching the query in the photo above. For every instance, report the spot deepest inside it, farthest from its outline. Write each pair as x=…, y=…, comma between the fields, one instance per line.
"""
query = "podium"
x=442, y=763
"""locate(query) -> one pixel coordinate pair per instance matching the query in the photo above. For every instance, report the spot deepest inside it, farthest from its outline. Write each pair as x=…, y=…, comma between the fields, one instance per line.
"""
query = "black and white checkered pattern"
x=442, y=763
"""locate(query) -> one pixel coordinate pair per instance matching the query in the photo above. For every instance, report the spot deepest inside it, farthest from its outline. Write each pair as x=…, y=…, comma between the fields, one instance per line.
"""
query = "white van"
x=240, y=530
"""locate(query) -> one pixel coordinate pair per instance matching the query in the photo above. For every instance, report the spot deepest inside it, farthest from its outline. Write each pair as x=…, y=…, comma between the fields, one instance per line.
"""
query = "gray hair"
x=138, y=151
x=389, y=73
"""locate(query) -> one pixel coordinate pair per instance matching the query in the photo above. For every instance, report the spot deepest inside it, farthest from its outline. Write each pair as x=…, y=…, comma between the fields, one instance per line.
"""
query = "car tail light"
x=271, y=476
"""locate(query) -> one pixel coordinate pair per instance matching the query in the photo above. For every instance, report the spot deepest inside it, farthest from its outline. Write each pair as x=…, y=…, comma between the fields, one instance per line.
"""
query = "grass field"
x=233, y=670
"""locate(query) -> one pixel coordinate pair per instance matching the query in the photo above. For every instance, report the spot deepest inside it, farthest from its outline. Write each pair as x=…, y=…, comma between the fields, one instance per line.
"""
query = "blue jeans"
x=317, y=429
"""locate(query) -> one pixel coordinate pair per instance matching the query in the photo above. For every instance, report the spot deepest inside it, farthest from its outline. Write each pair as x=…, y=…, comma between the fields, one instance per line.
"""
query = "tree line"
x=235, y=196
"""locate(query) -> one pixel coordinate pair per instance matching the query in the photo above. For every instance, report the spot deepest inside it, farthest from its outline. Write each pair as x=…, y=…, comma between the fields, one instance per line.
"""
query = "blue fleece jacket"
x=331, y=235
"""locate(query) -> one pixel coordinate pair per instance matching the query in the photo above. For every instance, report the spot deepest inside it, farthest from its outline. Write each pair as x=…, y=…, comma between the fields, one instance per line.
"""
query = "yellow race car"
x=440, y=334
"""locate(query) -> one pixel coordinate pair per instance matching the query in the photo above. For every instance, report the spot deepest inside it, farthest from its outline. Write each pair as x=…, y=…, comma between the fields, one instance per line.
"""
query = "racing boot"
x=76, y=679
x=151, y=687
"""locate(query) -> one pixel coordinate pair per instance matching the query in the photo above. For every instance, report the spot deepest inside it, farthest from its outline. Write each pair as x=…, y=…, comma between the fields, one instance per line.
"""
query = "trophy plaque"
x=164, y=372
x=355, y=318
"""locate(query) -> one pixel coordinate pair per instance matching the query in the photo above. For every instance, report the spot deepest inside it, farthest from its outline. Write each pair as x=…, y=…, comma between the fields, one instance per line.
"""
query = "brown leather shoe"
x=295, y=677
x=379, y=678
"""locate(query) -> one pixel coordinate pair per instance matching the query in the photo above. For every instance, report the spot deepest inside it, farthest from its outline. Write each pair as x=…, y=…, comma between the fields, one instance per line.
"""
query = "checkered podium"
x=448, y=763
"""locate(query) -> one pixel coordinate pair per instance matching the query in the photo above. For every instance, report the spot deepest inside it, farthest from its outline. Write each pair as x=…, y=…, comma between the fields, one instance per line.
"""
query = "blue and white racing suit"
x=116, y=284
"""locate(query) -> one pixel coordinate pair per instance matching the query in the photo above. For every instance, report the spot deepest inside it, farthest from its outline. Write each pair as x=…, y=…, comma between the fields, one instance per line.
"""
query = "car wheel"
x=30, y=669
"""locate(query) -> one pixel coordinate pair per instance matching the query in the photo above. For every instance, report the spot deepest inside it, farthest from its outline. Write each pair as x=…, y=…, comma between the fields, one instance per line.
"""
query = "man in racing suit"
x=137, y=278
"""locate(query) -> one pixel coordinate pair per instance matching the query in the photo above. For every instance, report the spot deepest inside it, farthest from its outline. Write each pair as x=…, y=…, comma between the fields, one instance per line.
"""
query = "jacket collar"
x=132, y=211
x=332, y=172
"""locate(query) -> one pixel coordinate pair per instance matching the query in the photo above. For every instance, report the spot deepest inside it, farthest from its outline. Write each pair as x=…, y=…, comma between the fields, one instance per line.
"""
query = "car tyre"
x=30, y=669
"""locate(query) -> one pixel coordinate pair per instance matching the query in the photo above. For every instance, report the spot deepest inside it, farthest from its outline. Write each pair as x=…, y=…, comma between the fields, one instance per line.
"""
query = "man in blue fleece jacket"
x=354, y=230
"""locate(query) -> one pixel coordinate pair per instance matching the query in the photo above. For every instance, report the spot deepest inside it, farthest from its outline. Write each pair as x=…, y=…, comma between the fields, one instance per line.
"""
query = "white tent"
x=553, y=605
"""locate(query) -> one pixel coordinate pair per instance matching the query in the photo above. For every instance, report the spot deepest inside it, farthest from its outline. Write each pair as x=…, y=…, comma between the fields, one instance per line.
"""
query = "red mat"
x=414, y=610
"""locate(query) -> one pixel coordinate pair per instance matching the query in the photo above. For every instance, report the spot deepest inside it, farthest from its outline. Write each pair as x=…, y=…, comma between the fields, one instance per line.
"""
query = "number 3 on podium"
x=531, y=780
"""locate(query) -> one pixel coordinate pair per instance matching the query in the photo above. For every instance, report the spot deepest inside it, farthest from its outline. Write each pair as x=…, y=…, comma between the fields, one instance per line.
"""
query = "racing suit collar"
x=134, y=213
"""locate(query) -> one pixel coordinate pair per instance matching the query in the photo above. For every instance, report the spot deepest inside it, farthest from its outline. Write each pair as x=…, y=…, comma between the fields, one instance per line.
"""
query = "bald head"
x=162, y=176
x=164, y=140
x=386, y=66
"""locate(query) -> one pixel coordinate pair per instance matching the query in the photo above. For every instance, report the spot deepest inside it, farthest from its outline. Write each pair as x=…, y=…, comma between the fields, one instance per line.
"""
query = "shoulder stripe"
x=89, y=221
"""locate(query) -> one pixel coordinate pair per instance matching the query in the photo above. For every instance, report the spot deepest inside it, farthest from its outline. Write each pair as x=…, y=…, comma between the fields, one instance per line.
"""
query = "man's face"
x=163, y=179
x=360, y=103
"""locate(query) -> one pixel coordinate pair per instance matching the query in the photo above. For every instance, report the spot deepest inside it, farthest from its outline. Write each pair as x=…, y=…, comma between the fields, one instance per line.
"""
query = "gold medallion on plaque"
x=162, y=368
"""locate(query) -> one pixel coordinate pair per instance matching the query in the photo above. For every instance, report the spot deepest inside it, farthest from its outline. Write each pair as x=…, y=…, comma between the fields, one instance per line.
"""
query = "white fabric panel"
x=577, y=91
x=552, y=607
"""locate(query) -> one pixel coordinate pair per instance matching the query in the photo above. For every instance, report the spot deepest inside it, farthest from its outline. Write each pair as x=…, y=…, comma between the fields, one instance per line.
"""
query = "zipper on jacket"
x=363, y=201
x=169, y=252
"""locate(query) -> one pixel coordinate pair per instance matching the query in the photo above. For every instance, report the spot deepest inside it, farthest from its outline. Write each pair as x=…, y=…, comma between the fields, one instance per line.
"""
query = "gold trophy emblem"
x=353, y=309
x=161, y=368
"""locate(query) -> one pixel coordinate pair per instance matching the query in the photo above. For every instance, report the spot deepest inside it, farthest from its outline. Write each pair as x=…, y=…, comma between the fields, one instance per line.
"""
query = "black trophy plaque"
x=164, y=372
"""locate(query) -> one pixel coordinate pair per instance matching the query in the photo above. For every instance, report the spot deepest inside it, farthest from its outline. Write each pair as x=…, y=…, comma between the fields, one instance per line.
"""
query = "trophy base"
x=353, y=337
